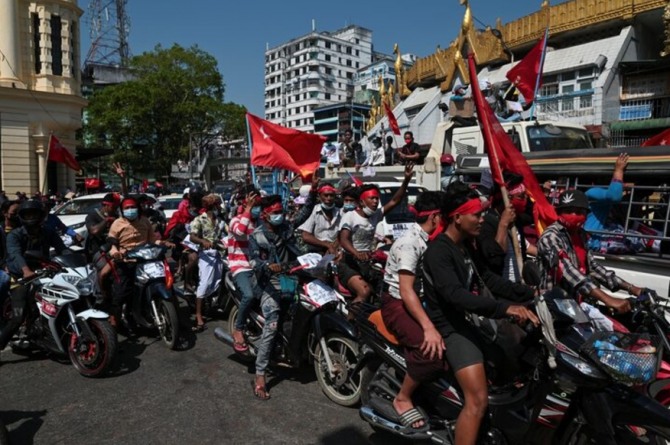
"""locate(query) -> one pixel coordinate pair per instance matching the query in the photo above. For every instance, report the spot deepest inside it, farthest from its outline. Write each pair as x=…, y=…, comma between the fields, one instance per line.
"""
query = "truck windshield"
x=551, y=137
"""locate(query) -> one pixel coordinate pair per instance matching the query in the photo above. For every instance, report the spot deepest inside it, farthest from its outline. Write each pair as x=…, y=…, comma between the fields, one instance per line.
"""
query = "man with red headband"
x=577, y=273
x=410, y=151
x=272, y=246
x=495, y=239
x=129, y=231
x=357, y=235
x=321, y=229
x=403, y=312
x=457, y=284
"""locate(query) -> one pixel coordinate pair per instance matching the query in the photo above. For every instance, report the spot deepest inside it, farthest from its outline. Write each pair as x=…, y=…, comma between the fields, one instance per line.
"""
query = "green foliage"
x=175, y=94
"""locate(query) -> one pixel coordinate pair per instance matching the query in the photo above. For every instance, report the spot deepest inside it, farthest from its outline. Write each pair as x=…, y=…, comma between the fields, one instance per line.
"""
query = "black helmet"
x=31, y=213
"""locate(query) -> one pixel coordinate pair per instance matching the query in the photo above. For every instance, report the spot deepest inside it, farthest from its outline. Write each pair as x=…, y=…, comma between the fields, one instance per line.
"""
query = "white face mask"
x=327, y=207
x=368, y=211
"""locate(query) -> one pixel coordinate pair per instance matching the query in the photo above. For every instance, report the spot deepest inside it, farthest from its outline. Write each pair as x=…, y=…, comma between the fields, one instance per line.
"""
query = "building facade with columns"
x=40, y=91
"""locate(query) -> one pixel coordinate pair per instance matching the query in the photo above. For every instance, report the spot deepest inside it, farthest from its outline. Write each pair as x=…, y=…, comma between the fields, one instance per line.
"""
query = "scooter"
x=153, y=305
x=312, y=329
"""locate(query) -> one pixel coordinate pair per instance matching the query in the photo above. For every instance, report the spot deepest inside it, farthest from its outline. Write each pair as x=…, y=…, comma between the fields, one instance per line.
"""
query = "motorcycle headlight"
x=580, y=365
x=85, y=286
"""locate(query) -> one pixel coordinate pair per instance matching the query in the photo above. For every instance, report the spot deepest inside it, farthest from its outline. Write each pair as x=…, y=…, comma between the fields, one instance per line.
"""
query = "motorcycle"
x=313, y=328
x=153, y=305
x=61, y=318
x=572, y=388
x=217, y=302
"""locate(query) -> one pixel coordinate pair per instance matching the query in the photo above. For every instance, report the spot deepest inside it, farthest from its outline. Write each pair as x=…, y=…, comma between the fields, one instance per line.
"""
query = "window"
x=327, y=57
x=327, y=96
x=74, y=43
x=568, y=102
x=570, y=75
x=36, y=42
x=56, y=46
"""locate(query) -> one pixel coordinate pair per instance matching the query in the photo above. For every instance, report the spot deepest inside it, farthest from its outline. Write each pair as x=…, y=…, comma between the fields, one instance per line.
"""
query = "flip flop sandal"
x=241, y=348
x=257, y=391
x=411, y=416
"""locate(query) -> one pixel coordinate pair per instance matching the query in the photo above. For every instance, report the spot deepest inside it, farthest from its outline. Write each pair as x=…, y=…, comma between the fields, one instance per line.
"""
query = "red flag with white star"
x=663, y=138
x=284, y=148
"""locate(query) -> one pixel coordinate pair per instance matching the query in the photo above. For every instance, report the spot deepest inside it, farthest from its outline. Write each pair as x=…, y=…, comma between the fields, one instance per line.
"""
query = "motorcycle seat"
x=376, y=319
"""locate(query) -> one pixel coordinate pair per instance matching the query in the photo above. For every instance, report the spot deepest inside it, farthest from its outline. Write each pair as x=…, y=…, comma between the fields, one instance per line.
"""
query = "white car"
x=170, y=203
x=73, y=213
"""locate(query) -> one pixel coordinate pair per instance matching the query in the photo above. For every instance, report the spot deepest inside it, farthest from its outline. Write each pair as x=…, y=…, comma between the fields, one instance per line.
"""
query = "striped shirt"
x=241, y=226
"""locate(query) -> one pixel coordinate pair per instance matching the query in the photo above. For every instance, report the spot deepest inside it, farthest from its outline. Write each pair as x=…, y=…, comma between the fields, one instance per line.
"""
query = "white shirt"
x=406, y=254
x=332, y=154
x=318, y=224
x=362, y=229
x=375, y=157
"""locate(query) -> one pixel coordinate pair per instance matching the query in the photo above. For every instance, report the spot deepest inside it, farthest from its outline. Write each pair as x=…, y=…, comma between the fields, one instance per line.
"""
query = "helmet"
x=31, y=213
x=446, y=159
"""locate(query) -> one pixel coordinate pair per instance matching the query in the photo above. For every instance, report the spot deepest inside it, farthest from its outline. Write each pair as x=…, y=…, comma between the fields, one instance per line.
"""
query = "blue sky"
x=236, y=32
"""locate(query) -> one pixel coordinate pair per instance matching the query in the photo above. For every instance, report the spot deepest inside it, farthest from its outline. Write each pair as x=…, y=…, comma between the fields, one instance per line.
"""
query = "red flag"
x=663, y=138
x=503, y=154
x=92, y=183
x=527, y=74
x=275, y=146
x=58, y=153
x=145, y=185
x=393, y=122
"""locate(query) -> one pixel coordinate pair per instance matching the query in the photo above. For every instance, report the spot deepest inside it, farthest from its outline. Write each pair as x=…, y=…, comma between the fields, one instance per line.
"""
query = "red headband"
x=274, y=207
x=127, y=201
x=418, y=214
x=327, y=189
x=518, y=189
x=372, y=193
x=470, y=207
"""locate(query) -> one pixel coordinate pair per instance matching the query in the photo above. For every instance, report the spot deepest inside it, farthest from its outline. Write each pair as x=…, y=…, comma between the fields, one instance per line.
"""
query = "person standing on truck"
x=569, y=264
x=389, y=151
x=410, y=151
x=348, y=148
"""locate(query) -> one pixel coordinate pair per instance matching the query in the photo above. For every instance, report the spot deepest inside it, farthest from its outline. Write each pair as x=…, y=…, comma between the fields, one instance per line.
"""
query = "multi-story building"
x=40, y=91
x=314, y=70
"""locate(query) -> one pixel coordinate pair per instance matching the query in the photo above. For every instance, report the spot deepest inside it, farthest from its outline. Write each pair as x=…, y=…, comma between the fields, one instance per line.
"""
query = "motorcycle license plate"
x=320, y=293
x=154, y=270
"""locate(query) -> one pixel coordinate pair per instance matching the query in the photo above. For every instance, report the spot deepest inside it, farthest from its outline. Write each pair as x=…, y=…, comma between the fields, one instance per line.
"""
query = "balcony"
x=643, y=109
x=576, y=105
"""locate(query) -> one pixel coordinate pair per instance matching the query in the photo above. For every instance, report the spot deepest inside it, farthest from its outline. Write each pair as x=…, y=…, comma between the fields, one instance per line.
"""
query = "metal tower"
x=109, y=27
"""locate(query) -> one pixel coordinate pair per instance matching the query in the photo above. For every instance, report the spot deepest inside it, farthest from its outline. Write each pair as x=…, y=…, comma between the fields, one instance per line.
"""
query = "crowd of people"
x=457, y=262
x=373, y=152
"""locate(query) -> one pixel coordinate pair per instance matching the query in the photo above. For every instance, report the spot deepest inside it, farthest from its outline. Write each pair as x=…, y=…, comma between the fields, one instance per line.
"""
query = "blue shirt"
x=600, y=203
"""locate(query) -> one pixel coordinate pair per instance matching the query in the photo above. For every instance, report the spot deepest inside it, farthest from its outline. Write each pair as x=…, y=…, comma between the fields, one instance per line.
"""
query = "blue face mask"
x=255, y=212
x=131, y=214
x=446, y=171
x=276, y=220
x=349, y=207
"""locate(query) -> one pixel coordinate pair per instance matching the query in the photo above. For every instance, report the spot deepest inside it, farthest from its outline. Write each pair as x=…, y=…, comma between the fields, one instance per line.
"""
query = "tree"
x=175, y=97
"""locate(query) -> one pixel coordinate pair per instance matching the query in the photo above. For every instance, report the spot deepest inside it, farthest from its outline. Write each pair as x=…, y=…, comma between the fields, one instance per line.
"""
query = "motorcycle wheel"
x=96, y=356
x=345, y=388
x=167, y=312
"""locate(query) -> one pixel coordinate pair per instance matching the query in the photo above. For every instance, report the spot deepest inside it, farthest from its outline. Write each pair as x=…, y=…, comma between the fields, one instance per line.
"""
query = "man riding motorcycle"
x=32, y=235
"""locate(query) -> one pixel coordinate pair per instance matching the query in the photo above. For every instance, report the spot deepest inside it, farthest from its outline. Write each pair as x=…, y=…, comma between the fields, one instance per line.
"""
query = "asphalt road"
x=197, y=395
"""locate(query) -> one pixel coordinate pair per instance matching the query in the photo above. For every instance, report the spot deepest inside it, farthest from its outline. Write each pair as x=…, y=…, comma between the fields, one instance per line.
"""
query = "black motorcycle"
x=312, y=322
x=572, y=389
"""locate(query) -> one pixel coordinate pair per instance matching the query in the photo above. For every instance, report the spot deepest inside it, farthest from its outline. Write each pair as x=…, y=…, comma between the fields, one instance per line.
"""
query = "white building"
x=314, y=70
x=39, y=91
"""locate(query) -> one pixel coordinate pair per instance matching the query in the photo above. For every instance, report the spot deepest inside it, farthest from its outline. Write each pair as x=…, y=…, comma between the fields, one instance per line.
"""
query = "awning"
x=645, y=124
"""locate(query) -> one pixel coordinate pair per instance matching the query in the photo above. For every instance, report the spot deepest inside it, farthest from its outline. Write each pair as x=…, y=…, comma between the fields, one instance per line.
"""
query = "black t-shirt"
x=95, y=243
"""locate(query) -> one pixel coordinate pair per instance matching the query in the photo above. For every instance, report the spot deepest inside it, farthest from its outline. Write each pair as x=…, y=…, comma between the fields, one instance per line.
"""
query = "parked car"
x=170, y=203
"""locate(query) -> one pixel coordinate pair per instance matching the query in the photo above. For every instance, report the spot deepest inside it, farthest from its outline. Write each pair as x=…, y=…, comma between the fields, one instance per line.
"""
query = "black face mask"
x=14, y=221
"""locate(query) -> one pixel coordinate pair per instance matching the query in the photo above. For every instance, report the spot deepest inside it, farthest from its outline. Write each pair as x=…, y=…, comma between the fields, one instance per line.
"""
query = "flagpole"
x=493, y=150
x=46, y=165
x=539, y=73
x=253, y=170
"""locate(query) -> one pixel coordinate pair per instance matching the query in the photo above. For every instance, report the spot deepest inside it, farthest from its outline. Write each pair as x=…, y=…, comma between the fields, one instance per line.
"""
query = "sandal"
x=411, y=416
x=241, y=348
x=198, y=328
x=260, y=391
